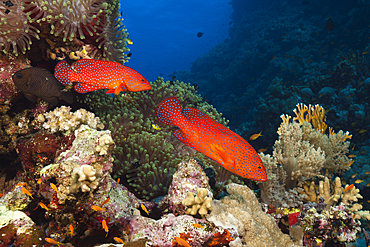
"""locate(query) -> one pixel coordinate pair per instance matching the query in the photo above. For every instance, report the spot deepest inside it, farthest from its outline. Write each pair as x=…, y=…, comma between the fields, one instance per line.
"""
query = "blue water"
x=164, y=33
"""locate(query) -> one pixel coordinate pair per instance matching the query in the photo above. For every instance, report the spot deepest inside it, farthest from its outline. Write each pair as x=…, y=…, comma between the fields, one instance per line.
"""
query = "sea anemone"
x=96, y=22
x=15, y=28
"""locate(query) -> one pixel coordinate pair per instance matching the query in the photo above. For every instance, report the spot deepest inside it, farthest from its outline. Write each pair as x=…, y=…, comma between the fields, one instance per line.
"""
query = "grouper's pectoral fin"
x=52, y=100
x=30, y=97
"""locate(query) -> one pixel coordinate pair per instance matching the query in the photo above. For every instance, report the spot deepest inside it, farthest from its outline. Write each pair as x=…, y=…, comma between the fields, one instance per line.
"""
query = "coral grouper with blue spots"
x=205, y=135
x=91, y=74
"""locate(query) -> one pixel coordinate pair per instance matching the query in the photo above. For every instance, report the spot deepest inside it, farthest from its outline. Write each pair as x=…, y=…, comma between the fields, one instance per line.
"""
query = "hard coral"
x=347, y=195
x=163, y=231
x=241, y=213
x=300, y=153
x=335, y=223
x=198, y=204
x=188, y=179
x=17, y=229
x=62, y=119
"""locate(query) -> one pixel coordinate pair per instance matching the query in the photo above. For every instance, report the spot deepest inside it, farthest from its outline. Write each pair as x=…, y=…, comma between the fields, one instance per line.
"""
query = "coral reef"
x=146, y=153
x=189, y=178
x=300, y=153
x=62, y=119
x=333, y=224
x=199, y=204
x=16, y=228
x=84, y=168
x=241, y=212
x=163, y=231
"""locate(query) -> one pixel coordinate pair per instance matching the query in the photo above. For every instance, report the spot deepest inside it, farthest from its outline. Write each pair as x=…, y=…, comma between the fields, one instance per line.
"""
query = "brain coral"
x=146, y=152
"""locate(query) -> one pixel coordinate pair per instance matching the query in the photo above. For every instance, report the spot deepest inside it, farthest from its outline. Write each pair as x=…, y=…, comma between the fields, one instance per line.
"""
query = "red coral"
x=220, y=240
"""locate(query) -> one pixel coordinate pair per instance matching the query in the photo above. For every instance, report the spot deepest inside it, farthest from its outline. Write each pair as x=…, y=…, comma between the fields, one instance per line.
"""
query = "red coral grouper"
x=205, y=135
x=90, y=75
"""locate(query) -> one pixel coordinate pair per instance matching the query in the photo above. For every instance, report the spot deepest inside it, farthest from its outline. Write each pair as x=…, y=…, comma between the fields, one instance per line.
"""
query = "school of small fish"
x=89, y=75
x=211, y=138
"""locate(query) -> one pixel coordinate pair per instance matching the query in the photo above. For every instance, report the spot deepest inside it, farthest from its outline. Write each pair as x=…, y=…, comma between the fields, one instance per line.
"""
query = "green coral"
x=146, y=151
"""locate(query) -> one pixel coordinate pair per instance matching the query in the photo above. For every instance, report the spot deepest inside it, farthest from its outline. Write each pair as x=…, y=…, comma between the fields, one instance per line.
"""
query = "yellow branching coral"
x=311, y=114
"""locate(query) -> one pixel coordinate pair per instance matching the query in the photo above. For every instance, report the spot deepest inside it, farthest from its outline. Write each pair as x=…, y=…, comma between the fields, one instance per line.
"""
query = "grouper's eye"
x=19, y=76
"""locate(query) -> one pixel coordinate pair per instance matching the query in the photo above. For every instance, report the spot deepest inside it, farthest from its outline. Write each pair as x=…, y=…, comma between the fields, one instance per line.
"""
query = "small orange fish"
x=349, y=187
x=255, y=136
x=182, y=242
x=118, y=240
x=54, y=187
x=91, y=74
x=358, y=181
x=20, y=185
x=97, y=208
x=105, y=202
x=354, y=175
x=368, y=185
x=367, y=173
x=71, y=230
x=39, y=181
x=261, y=150
x=352, y=155
x=351, y=162
x=362, y=131
x=25, y=191
x=198, y=225
x=118, y=182
x=144, y=208
x=105, y=226
x=52, y=241
x=44, y=206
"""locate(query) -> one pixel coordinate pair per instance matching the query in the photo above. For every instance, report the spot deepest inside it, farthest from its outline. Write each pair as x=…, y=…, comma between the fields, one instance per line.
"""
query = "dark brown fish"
x=40, y=83
x=329, y=24
x=200, y=34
